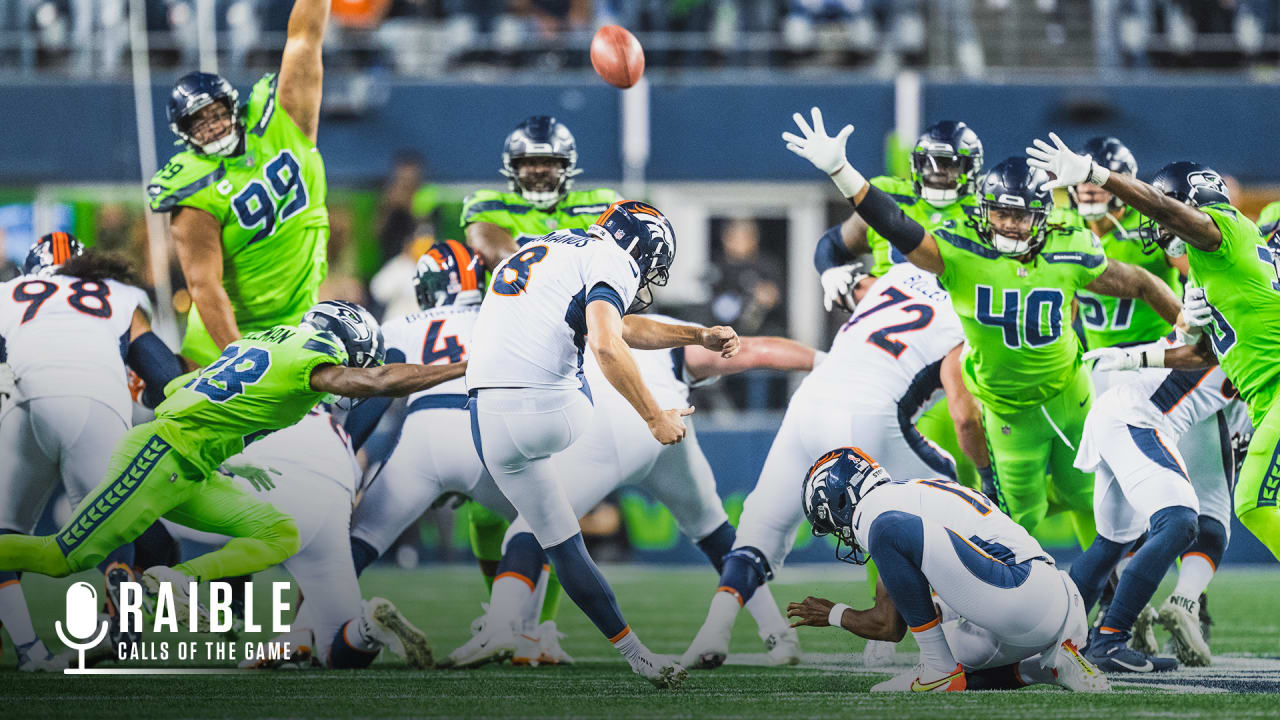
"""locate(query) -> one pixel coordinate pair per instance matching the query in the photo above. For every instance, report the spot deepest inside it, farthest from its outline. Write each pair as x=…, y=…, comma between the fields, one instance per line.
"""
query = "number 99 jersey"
x=67, y=337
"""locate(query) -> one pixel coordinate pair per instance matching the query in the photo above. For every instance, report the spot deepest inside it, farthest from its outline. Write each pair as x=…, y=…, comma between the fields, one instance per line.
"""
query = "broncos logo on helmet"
x=832, y=489
x=448, y=273
x=647, y=236
x=50, y=252
x=353, y=327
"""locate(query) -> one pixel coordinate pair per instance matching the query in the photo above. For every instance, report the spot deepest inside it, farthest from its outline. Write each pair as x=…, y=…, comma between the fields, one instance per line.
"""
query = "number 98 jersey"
x=67, y=337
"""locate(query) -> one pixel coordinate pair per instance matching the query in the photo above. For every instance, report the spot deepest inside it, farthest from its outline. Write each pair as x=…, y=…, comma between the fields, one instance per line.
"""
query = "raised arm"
x=643, y=333
x=1123, y=280
x=774, y=353
x=872, y=204
x=301, y=69
x=605, y=331
x=198, y=239
x=392, y=380
x=881, y=622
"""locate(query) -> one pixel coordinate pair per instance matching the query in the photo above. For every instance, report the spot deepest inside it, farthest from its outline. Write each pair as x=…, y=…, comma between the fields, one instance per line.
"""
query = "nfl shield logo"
x=552, y=224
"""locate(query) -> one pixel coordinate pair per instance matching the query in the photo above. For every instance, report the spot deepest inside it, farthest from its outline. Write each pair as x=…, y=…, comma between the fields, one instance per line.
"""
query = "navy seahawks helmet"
x=1111, y=154
x=647, y=236
x=192, y=93
x=540, y=136
x=833, y=487
x=948, y=153
x=1187, y=182
x=352, y=326
x=49, y=252
x=448, y=273
x=1013, y=185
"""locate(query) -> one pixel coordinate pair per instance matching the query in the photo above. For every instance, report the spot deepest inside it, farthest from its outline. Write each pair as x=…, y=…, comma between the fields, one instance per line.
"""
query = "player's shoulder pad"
x=902, y=191
x=482, y=205
x=1074, y=245
x=322, y=342
x=183, y=176
x=587, y=202
x=263, y=101
x=958, y=236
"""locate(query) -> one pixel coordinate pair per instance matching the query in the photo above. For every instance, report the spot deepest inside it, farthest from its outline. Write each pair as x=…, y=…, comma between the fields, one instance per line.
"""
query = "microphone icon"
x=82, y=617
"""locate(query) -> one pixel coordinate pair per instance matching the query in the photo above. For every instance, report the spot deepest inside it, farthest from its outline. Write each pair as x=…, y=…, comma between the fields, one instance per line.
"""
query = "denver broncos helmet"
x=49, y=252
x=448, y=273
x=647, y=236
x=352, y=326
x=833, y=487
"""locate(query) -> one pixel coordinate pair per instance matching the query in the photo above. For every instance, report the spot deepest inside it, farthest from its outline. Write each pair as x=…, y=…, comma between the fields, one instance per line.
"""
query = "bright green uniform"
x=525, y=222
x=270, y=201
x=1241, y=280
x=929, y=216
x=1023, y=364
x=167, y=467
x=1269, y=215
x=1110, y=321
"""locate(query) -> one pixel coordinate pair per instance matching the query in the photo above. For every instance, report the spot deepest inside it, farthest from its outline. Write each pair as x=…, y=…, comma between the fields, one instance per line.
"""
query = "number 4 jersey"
x=438, y=336
x=261, y=383
x=64, y=336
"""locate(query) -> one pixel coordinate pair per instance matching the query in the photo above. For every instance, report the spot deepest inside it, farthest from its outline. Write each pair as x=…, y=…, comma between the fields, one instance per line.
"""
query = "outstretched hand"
x=813, y=144
x=1067, y=168
x=722, y=339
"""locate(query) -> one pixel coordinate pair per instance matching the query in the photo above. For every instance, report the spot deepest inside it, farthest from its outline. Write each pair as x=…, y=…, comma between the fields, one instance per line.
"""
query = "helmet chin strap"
x=939, y=197
x=1008, y=245
x=1092, y=211
x=541, y=199
x=223, y=146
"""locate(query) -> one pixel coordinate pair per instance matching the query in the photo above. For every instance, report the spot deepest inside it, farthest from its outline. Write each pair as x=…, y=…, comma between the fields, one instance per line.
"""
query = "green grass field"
x=666, y=606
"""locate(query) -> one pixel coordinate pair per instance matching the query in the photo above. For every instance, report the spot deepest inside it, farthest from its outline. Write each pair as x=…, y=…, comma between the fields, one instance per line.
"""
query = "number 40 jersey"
x=67, y=337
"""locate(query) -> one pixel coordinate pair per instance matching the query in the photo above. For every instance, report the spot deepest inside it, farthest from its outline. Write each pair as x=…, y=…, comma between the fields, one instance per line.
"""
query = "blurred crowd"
x=431, y=37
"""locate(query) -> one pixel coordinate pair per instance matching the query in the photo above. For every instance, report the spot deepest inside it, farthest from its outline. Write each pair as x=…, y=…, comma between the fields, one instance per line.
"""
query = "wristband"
x=848, y=181
x=1098, y=175
x=1153, y=357
x=837, y=614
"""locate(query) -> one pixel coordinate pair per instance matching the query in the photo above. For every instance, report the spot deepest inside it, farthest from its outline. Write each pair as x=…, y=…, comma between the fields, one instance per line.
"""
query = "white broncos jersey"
x=315, y=449
x=663, y=372
x=64, y=336
x=531, y=332
x=439, y=336
x=891, y=349
x=969, y=516
x=1170, y=400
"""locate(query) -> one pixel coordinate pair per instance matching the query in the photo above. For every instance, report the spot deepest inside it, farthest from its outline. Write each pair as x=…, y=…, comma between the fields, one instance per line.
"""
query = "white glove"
x=825, y=152
x=1196, y=309
x=1114, y=358
x=1067, y=168
x=259, y=476
x=836, y=282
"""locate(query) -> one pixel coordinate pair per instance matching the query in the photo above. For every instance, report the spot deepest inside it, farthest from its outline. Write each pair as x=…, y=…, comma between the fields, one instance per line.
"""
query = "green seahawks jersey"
x=1110, y=321
x=1017, y=316
x=903, y=192
x=260, y=383
x=525, y=222
x=1270, y=214
x=1241, y=280
x=269, y=201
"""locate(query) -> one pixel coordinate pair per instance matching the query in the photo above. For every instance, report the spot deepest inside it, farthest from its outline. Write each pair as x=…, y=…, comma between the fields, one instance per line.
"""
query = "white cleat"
x=1181, y=617
x=1074, y=672
x=528, y=649
x=35, y=657
x=708, y=650
x=494, y=642
x=783, y=647
x=661, y=670
x=1144, y=632
x=923, y=678
x=549, y=645
x=879, y=653
x=182, y=605
x=381, y=621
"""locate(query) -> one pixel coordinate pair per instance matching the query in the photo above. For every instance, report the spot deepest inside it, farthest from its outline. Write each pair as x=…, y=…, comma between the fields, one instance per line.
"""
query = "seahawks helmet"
x=1013, y=185
x=1187, y=182
x=191, y=94
x=1111, y=154
x=540, y=136
x=647, y=236
x=49, y=252
x=353, y=327
x=945, y=162
x=834, y=486
x=448, y=273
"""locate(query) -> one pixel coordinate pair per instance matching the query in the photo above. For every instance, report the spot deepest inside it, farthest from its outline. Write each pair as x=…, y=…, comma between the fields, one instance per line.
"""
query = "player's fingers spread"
x=1057, y=141
x=844, y=134
x=800, y=123
x=819, y=128
x=792, y=138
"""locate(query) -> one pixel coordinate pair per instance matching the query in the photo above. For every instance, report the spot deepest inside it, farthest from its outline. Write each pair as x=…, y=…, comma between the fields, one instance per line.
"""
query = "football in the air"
x=617, y=56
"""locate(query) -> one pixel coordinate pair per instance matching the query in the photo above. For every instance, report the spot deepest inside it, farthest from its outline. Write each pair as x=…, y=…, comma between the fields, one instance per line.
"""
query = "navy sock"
x=584, y=584
x=524, y=557
x=9, y=575
x=155, y=546
x=1092, y=569
x=718, y=544
x=1211, y=541
x=1004, y=677
x=1172, y=530
x=898, y=539
x=362, y=554
x=744, y=570
x=344, y=657
x=123, y=554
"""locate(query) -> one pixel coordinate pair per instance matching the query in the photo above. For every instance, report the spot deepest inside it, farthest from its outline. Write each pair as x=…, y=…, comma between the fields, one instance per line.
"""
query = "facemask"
x=1092, y=211
x=1008, y=245
x=939, y=197
x=223, y=146
x=540, y=199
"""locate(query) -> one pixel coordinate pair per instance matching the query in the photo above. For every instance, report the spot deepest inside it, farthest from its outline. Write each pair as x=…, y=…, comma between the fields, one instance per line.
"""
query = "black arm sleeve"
x=886, y=218
x=831, y=251
x=155, y=364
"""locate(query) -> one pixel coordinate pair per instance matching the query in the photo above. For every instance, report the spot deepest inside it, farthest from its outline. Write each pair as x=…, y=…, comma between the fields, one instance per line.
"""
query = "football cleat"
x=116, y=575
x=154, y=576
x=35, y=657
x=923, y=678
x=528, y=649
x=494, y=642
x=381, y=621
x=1110, y=652
x=783, y=647
x=549, y=645
x=879, y=653
x=1074, y=672
x=1181, y=617
x=708, y=650
x=1144, y=632
x=661, y=670
x=1205, y=620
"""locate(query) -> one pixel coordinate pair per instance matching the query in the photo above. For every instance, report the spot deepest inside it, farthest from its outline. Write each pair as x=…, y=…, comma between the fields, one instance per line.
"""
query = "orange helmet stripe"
x=61, y=249
x=463, y=257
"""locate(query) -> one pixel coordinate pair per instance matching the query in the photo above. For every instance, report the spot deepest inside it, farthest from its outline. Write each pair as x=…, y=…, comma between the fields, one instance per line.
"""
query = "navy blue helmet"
x=353, y=327
x=1187, y=182
x=647, y=236
x=50, y=252
x=541, y=136
x=833, y=487
x=1113, y=155
x=448, y=273
x=192, y=93
x=945, y=162
x=1014, y=186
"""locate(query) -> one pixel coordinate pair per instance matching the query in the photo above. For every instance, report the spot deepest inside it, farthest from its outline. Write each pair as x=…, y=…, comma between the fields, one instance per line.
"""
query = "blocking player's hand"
x=259, y=476
x=836, y=282
x=813, y=612
x=722, y=339
x=1113, y=358
x=668, y=427
x=1067, y=168
x=815, y=145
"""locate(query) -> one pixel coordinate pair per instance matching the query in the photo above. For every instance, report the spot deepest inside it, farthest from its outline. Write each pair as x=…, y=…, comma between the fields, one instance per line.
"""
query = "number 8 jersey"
x=532, y=328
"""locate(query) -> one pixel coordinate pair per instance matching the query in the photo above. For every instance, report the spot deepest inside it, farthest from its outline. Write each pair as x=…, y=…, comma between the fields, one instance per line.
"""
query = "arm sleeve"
x=883, y=214
x=831, y=251
x=155, y=364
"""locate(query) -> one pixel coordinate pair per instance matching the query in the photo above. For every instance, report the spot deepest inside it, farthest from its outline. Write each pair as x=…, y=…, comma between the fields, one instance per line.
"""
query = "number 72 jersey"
x=64, y=336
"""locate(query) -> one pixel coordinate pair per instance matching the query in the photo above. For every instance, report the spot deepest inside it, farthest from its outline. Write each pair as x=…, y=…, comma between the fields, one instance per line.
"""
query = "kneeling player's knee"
x=1178, y=523
x=900, y=534
x=745, y=569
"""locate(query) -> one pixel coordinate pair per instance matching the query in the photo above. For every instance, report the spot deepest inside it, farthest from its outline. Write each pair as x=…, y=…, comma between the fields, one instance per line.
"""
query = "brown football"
x=617, y=56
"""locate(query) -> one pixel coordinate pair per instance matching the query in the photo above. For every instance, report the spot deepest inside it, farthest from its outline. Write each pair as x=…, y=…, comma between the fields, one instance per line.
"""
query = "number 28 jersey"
x=438, y=336
x=64, y=336
x=532, y=328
